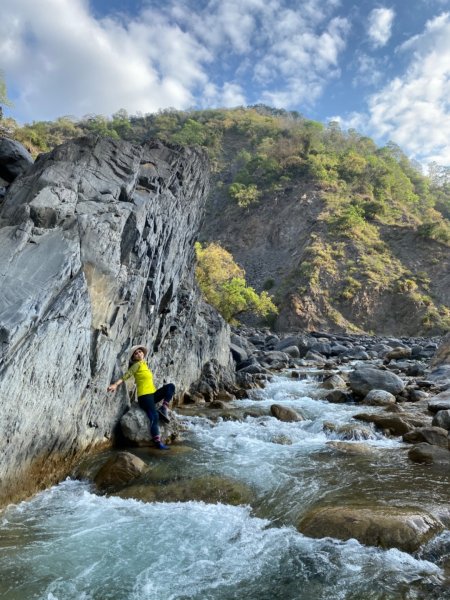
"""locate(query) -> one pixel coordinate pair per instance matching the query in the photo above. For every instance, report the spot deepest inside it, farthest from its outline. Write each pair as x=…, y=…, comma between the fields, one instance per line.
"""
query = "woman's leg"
x=147, y=403
x=164, y=393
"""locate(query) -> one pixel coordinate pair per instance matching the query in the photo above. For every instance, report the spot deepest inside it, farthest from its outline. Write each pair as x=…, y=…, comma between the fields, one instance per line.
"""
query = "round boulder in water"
x=379, y=398
x=436, y=436
x=284, y=413
x=388, y=527
x=362, y=381
x=119, y=470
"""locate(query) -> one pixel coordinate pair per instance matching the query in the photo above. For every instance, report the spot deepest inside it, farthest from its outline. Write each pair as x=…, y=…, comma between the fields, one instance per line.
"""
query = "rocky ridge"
x=96, y=248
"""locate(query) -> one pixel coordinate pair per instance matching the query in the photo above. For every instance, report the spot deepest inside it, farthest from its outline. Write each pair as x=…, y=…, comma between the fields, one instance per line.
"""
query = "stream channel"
x=69, y=543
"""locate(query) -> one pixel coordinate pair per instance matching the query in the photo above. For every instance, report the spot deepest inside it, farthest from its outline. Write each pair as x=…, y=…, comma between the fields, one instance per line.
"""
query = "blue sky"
x=380, y=67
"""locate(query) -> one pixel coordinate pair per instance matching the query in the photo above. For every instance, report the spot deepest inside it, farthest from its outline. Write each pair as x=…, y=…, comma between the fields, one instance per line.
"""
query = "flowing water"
x=69, y=543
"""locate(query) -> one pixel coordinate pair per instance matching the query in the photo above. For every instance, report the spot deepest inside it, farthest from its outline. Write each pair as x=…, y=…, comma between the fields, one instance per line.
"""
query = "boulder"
x=339, y=397
x=333, y=381
x=96, y=254
x=398, y=352
x=14, y=159
x=211, y=489
x=135, y=426
x=119, y=470
x=238, y=353
x=286, y=414
x=436, y=436
x=394, y=424
x=292, y=351
x=439, y=402
x=362, y=381
x=379, y=398
x=429, y=454
x=349, y=431
x=442, y=419
x=351, y=448
x=384, y=526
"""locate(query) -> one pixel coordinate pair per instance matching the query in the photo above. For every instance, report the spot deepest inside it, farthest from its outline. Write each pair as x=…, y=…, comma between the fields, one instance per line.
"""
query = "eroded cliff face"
x=96, y=254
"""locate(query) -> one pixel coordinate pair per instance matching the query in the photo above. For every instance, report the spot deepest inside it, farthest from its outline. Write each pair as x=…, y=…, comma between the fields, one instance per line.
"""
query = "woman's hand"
x=113, y=387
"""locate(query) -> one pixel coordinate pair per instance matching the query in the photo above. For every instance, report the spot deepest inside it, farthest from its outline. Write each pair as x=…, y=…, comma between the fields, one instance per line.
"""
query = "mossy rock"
x=384, y=526
x=211, y=489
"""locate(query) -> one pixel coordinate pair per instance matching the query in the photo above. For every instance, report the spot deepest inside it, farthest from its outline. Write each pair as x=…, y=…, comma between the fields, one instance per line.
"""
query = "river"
x=68, y=543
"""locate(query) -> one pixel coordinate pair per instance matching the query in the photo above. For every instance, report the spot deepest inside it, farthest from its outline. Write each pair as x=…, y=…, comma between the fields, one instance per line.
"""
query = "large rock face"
x=96, y=253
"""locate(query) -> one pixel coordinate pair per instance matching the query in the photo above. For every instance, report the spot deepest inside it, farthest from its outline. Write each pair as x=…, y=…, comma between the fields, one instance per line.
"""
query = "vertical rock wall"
x=96, y=254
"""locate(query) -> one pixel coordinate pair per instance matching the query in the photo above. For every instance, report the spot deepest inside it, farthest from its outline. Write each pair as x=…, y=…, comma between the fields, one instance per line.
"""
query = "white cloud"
x=59, y=59
x=414, y=110
x=380, y=26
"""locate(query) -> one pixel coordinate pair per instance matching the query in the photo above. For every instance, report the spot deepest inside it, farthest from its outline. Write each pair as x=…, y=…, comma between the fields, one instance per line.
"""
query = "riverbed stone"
x=334, y=381
x=442, y=419
x=119, y=470
x=285, y=413
x=398, y=352
x=351, y=448
x=394, y=424
x=439, y=402
x=210, y=488
x=384, y=526
x=436, y=436
x=339, y=397
x=428, y=454
x=379, y=398
x=349, y=431
x=362, y=381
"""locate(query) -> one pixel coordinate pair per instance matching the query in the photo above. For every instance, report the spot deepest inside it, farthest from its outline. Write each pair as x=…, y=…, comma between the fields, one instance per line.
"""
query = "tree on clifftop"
x=223, y=284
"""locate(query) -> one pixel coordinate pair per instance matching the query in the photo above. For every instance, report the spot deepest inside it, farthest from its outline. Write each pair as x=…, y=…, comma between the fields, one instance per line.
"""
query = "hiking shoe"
x=161, y=446
x=164, y=414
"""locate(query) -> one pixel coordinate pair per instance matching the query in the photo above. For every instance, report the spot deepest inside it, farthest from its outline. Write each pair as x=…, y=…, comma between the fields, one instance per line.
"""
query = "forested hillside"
x=343, y=234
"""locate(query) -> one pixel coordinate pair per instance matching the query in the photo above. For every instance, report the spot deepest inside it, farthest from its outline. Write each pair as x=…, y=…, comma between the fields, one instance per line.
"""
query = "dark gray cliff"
x=96, y=253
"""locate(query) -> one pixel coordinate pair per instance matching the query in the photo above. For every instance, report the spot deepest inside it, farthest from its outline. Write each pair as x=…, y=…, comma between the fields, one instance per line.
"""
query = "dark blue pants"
x=148, y=403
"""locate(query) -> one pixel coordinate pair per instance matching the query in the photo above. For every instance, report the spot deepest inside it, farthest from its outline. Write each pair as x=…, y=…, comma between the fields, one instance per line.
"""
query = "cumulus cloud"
x=414, y=110
x=59, y=58
x=380, y=26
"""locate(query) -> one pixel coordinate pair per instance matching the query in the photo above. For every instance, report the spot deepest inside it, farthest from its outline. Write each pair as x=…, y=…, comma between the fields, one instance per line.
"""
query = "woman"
x=148, y=395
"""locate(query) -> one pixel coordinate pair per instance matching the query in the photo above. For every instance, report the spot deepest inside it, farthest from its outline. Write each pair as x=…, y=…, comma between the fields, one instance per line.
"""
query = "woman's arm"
x=113, y=387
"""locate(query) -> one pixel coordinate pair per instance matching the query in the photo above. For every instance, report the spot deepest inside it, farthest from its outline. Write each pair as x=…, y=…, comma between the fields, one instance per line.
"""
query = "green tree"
x=244, y=194
x=223, y=284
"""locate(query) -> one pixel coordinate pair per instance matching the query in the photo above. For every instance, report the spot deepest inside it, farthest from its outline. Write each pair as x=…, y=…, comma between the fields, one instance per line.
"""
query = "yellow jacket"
x=142, y=376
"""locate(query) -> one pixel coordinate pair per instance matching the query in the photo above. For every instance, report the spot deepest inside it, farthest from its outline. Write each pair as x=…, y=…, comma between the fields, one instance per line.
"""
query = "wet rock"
x=349, y=431
x=436, y=436
x=284, y=413
x=119, y=470
x=14, y=159
x=283, y=440
x=429, y=454
x=210, y=489
x=333, y=381
x=379, y=398
x=351, y=448
x=387, y=527
x=362, y=381
x=442, y=419
x=217, y=404
x=393, y=424
x=339, y=397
